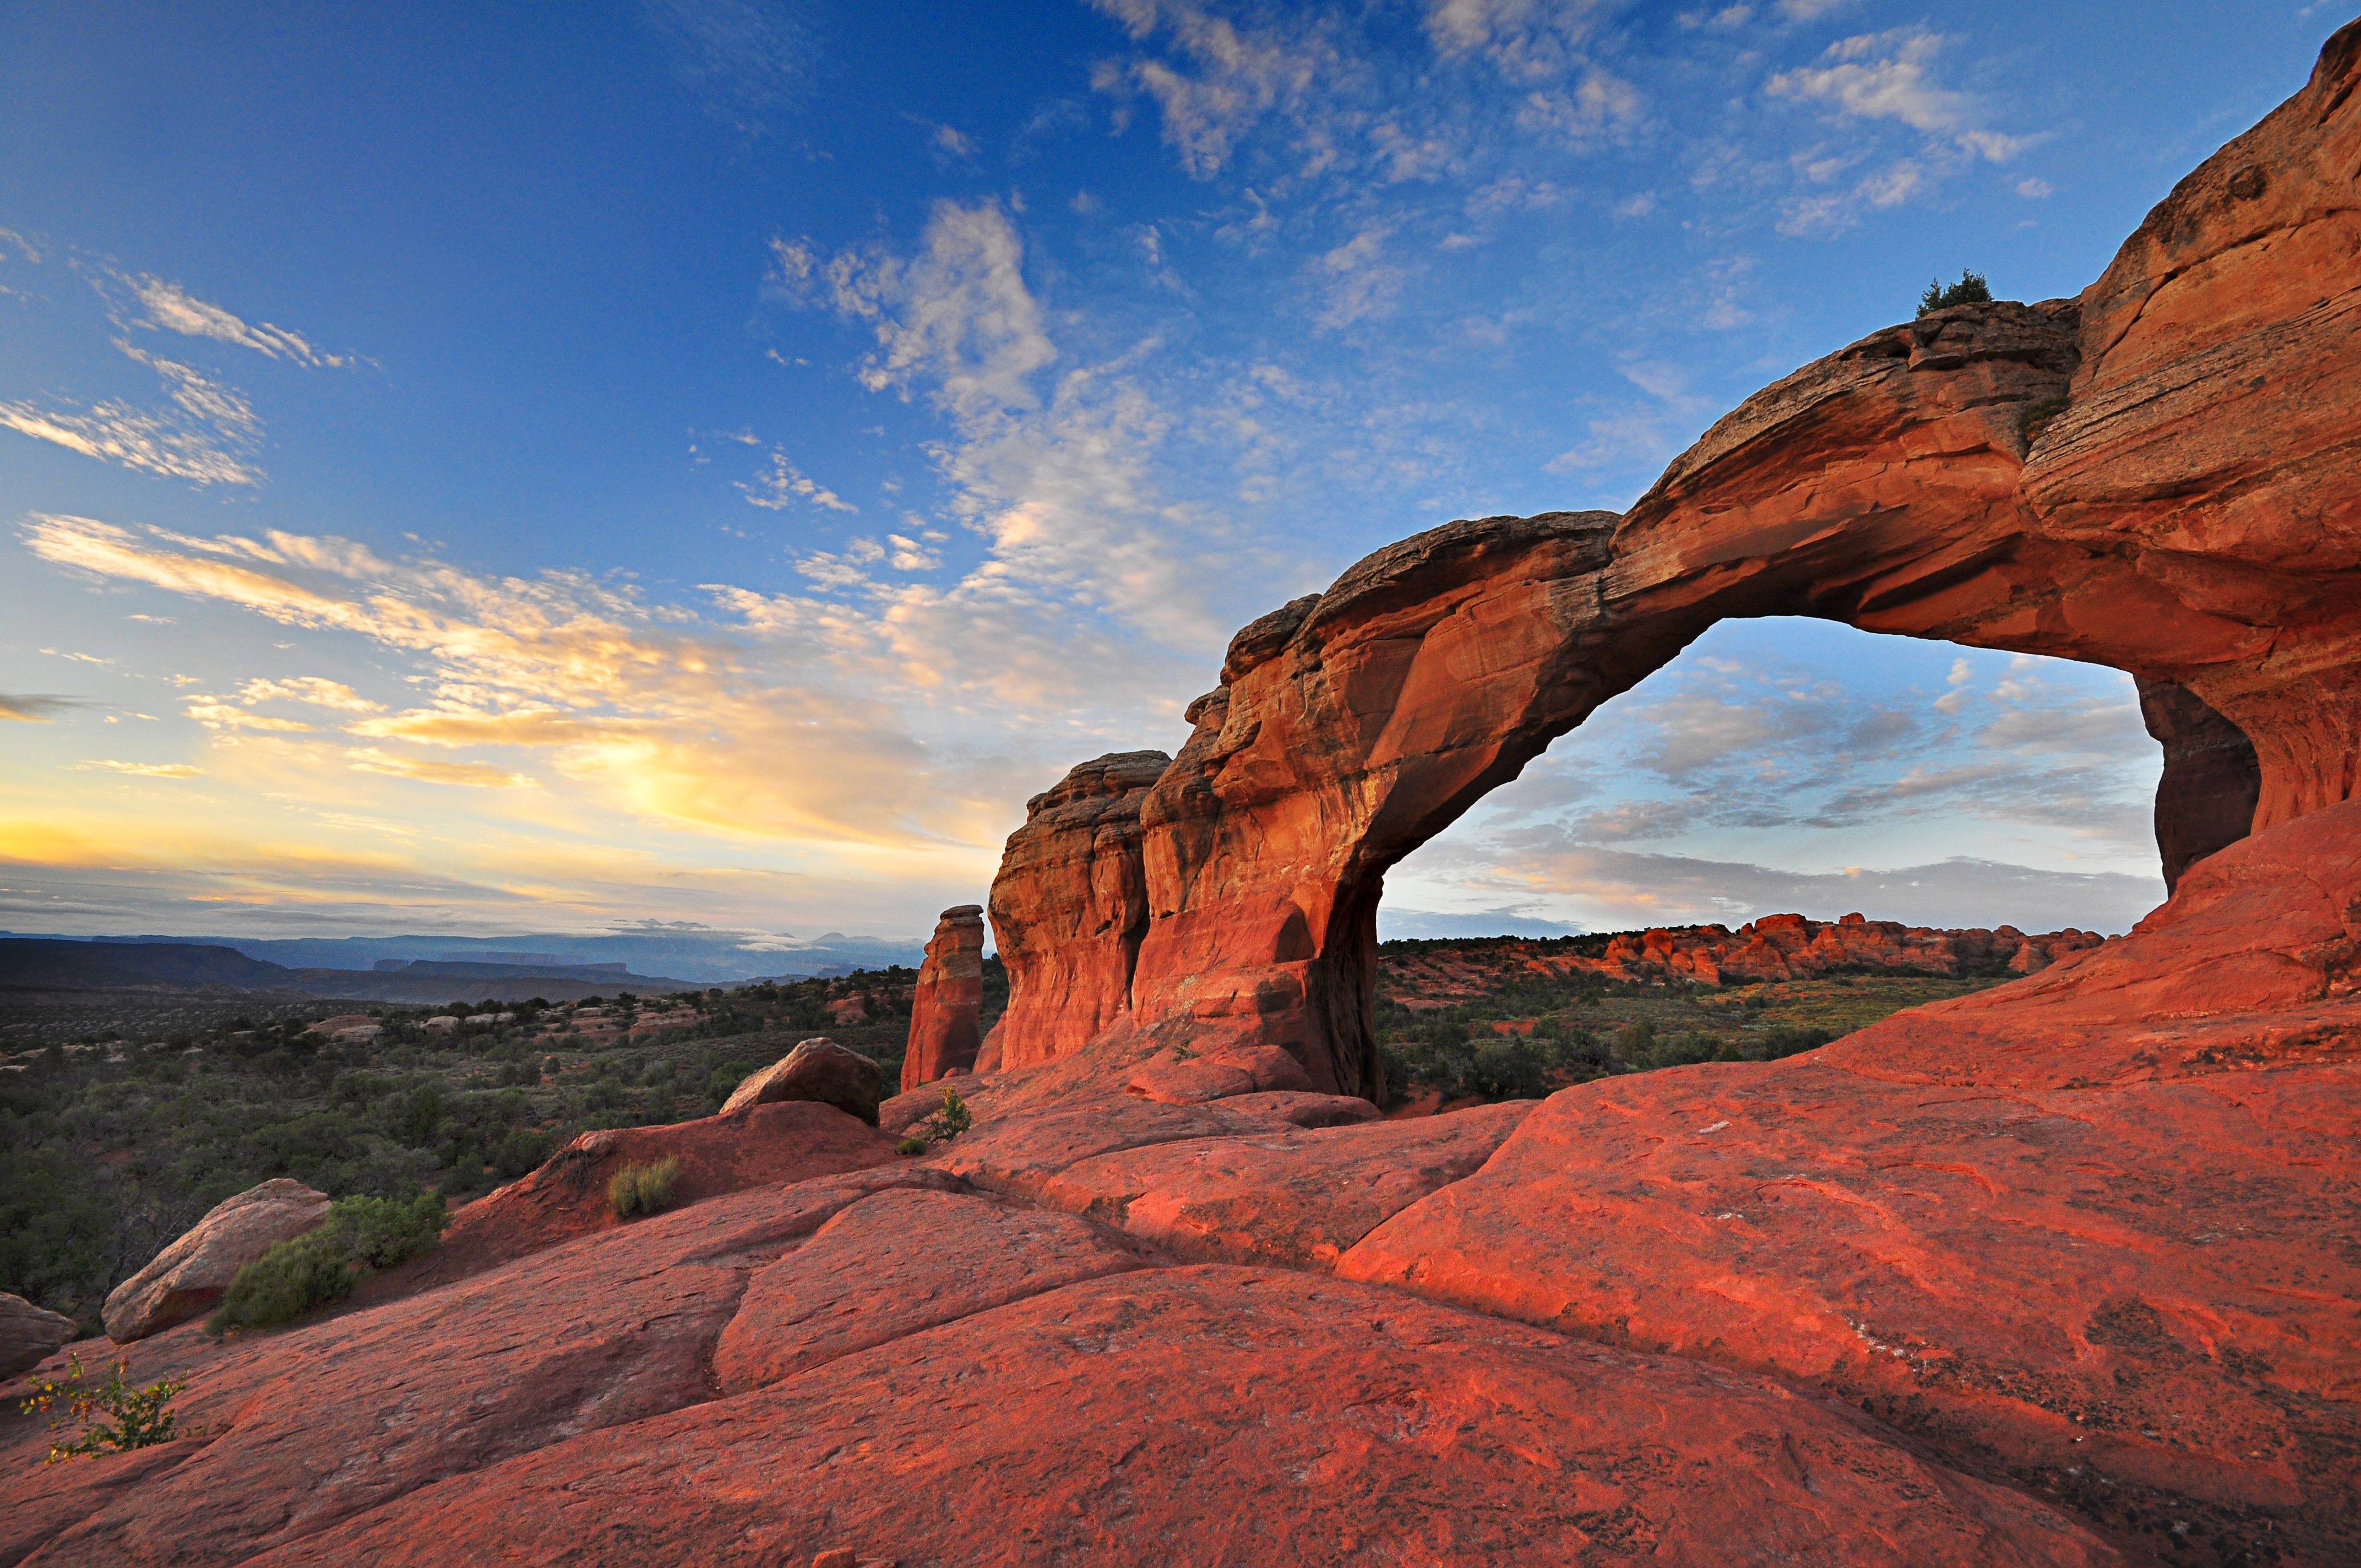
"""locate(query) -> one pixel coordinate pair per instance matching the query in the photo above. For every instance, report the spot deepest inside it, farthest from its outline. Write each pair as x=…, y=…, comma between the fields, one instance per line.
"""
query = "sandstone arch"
x=2155, y=476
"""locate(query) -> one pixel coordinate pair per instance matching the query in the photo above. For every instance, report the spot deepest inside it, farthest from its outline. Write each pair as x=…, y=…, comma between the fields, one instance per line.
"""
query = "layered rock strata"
x=946, y=1004
x=1068, y=908
x=2155, y=475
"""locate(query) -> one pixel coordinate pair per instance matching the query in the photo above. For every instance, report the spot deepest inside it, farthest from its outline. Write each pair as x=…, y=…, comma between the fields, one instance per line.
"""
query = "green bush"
x=321, y=1266
x=114, y=1416
x=642, y=1188
x=950, y=1122
x=1790, y=1041
x=1970, y=290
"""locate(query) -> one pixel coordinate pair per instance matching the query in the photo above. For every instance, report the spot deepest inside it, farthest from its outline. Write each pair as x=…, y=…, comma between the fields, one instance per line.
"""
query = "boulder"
x=757, y=1146
x=28, y=1334
x=1304, y=1110
x=817, y=1069
x=188, y=1278
x=946, y=1002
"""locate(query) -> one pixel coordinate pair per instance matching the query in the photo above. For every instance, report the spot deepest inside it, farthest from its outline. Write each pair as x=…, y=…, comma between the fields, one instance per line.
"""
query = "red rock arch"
x=2155, y=475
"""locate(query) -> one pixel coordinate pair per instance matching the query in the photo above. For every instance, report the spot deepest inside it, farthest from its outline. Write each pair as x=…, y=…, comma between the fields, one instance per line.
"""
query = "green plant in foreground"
x=321, y=1266
x=642, y=1188
x=950, y=1122
x=114, y=1416
x=1970, y=290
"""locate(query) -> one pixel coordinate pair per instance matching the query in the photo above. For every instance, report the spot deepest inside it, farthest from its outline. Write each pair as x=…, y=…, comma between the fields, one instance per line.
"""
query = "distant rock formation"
x=28, y=1334
x=817, y=1069
x=1068, y=908
x=189, y=1278
x=947, y=1005
x=1774, y=948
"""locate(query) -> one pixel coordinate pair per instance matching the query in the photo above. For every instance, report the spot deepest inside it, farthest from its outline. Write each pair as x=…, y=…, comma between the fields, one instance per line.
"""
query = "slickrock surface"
x=790, y=1140
x=1323, y=1423
x=1304, y=1110
x=897, y=1263
x=1069, y=907
x=1295, y=1198
x=188, y=1278
x=1191, y=1079
x=817, y=1069
x=29, y=1333
x=312, y=1425
x=947, y=1001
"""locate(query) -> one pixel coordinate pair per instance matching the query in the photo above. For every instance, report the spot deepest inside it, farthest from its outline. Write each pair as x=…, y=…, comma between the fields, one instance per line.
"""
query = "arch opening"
x=1780, y=764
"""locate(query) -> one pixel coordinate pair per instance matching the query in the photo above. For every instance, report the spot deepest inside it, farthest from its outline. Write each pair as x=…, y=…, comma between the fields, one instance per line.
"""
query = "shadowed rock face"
x=947, y=1001
x=2205, y=799
x=2155, y=475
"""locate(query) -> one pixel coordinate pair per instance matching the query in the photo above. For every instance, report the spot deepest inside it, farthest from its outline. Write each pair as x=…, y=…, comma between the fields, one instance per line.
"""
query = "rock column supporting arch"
x=2157, y=475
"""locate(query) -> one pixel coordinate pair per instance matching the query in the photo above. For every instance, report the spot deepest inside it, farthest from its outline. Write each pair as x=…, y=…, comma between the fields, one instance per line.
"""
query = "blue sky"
x=524, y=468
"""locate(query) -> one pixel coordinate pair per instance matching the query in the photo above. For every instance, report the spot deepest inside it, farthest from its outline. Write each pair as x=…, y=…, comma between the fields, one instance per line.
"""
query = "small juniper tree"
x=1970, y=290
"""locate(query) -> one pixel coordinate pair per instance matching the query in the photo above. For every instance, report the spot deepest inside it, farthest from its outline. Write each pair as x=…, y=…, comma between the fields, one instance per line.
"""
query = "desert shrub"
x=113, y=1417
x=2036, y=417
x=1970, y=290
x=321, y=1266
x=1787, y=1041
x=1635, y=1043
x=950, y=1122
x=1512, y=1067
x=1687, y=1050
x=642, y=1188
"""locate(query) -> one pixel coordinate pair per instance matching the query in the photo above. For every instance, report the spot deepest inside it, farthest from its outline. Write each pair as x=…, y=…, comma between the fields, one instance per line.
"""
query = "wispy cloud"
x=29, y=707
x=116, y=433
x=173, y=309
x=428, y=770
x=312, y=690
x=783, y=484
x=144, y=770
x=743, y=58
x=1888, y=76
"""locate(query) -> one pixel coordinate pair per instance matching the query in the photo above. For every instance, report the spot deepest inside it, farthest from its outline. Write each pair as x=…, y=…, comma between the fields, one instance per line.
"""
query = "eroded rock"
x=945, y=1005
x=189, y=1277
x=817, y=1069
x=29, y=1333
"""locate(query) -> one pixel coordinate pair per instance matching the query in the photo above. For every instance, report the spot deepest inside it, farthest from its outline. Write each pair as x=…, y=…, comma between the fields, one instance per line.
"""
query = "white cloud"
x=783, y=484
x=1227, y=79
x=114, y=431
x=1599, y=105
x=312, y=690
x=472, y=775
x=2036, y=190
x=173, y=309
x=144, y=770
x=1887, y=76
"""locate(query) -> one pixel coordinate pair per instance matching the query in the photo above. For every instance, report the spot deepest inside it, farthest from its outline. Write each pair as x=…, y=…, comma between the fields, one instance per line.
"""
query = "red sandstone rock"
x=903, y=1261
x=1068, y=909
x=1225, y=1415
x=1290, y=1197
x=791, y=1140
x=948, y=998
x=314, y=1424
x=2211, y=782
x=2072, y=1227
x=28, y=1334
x=1017, y=1155
x=1193, y=1079
x=188, y=1278
x=2189, y=517
x=817, y=1069
x=1303, y=1109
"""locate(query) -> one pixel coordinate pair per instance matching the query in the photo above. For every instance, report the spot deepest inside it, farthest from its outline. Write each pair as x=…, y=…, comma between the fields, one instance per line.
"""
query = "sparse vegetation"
x=2037, y=418
x=111, y=1416
x=639, y=1190
x=1495, y=1025
x=125, y=1118
x=950, y=1122
x=319, y=1269
x=1970, y=290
